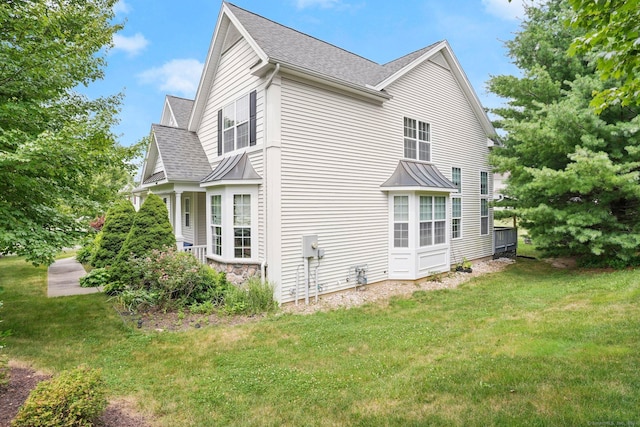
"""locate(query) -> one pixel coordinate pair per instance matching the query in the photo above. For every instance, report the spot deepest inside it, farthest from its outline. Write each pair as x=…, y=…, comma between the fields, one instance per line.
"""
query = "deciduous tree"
x=59, y=160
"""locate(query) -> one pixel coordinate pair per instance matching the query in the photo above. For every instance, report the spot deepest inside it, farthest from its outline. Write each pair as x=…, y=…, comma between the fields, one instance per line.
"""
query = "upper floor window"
x=417, y=140
x=456, y=178
x=237, y=124
x=484, y=183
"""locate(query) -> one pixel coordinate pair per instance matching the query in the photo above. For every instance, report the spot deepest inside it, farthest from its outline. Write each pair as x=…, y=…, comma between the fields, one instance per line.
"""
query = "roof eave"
x=314, y=76
x=419, y=188
x=225, y=18
x=460, y=76
x=231, y=182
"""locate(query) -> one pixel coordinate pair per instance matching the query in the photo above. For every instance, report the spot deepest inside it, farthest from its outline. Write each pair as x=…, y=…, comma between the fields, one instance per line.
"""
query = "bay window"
x=232, y=222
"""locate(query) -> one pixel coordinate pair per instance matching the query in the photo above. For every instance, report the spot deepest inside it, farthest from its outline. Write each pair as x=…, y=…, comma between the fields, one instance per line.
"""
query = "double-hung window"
x=242, y=225
x=187, y=212
x=456, y=204
x=433, y=220
x=417, y=140
x=484, y=203
x=216, y=224
x=237, y=124
x=401, y=221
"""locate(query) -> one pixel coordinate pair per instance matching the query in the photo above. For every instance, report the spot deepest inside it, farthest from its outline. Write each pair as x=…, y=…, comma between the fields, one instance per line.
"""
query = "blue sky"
x=164, y=44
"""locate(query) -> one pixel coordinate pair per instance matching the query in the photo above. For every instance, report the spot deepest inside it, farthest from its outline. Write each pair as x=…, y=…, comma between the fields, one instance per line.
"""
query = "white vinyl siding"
x=337, y=151
x=233, y=81
x=332, y=169
x=461, y=143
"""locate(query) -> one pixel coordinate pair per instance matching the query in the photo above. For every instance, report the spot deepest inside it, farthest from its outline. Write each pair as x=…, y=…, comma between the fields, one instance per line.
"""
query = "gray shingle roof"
x=181, y=108
x=182, y=154
x=286, y=45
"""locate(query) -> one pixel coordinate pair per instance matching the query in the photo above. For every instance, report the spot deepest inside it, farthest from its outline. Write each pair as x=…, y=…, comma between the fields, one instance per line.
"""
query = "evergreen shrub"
x=117, y=225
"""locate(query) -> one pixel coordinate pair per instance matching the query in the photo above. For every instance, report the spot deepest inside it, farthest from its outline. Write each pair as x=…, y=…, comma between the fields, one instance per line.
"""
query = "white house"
x=321, y=169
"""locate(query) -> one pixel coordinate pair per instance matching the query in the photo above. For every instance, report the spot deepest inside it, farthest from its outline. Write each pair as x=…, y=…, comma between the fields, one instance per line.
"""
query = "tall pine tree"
x=573, y=174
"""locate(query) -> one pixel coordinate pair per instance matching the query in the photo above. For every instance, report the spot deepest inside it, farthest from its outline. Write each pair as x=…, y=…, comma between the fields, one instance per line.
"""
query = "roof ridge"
x=179, y=97
x=425, y=48
x=304, y=34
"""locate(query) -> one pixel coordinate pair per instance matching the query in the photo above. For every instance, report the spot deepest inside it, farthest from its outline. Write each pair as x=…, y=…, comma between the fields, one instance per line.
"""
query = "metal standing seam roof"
x=234, y=168
x=182, y=154
x=156, y=177
x=286, y=45
x=421, y=175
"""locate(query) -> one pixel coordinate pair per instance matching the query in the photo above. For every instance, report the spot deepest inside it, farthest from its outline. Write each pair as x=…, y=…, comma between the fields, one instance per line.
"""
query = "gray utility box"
x=310, y=246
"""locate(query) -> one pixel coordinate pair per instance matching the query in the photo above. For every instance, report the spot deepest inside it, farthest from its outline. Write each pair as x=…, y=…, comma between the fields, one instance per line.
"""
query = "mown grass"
x=529, y=346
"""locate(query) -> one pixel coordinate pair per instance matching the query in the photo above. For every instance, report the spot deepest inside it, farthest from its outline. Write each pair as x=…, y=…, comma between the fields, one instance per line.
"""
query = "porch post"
x=177, y=222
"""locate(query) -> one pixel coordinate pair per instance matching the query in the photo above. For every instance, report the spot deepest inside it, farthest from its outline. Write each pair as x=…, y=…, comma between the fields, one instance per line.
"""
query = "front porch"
x=186, y=208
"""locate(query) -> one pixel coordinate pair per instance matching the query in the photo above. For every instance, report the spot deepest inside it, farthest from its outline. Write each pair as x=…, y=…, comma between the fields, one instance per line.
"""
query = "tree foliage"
x=573, y=174
x=59, y=160
x=151, y=230
x=117, y=225
x=613, y=37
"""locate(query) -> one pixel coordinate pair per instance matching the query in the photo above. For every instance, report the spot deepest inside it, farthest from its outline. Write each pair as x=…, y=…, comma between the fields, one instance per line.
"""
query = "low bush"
x=172, y=279
x=252, y=297
x=113, y=288
x=96, y=277
x=137, y=299
x=73, y=398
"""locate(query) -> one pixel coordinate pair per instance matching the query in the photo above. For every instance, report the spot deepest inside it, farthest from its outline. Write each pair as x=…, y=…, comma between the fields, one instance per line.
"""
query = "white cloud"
x=178, y=77
x=121, y=7
x=505, y=9
x=325, y=4
x=132, y=45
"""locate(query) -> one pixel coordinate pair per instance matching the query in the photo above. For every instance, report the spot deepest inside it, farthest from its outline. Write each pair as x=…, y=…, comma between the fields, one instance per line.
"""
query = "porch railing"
x=199, y=251
x=505, y=241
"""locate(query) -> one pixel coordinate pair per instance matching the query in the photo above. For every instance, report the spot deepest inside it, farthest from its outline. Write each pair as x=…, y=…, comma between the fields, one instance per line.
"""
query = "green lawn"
x=530, y=346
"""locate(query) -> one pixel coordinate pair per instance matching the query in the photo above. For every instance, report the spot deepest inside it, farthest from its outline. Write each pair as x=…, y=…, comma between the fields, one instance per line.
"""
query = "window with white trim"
x=456, y=204
x=216, y=224
x=242, y=225
x=417, y=140
x=433, y=220
x=187, y=212
x=401, y=221
x=456, y=217
x=235, y=125
x=484, y=203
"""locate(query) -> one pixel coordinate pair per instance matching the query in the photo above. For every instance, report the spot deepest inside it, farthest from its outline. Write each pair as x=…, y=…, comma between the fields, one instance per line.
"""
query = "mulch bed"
x=23, y=380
